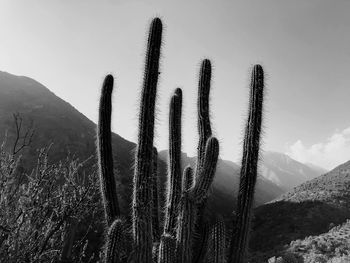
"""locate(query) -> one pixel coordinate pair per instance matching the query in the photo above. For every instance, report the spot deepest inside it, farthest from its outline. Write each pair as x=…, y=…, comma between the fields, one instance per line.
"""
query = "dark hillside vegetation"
x=310, y=209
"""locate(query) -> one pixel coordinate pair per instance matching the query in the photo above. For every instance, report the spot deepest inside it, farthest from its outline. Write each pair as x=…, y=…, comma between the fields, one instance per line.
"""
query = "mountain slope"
x=285, y=171
x=308, y=209
x=226, y=183
x=58, y=123
x=332, y=245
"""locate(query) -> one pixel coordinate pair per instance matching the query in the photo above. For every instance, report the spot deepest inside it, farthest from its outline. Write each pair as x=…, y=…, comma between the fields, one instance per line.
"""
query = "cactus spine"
x=174, y=170
x=141, y=207
x=249, y=167
x=104, y=152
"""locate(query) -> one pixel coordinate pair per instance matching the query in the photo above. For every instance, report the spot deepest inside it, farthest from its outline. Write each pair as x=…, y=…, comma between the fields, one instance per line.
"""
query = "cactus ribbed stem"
x=185, y=226
x=174, y=169
x=192, y=199
x=204, y=128
x=116, y=245
x=217, y=242
x=249, y=168
x=167, y=249
x=155, y=198
x=206, y=176
x=187, y=180
x=142, y=199
x=201, y=241
x=104, y=153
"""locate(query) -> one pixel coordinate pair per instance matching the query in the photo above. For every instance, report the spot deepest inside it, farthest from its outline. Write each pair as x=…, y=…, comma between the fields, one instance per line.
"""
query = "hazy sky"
x=304, y=46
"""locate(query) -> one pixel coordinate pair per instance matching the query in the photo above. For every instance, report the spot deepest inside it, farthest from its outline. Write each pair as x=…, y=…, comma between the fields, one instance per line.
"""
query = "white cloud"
x=329, y=154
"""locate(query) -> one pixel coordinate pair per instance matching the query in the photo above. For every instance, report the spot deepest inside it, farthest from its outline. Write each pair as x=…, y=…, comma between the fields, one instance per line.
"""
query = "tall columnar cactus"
x=104, y=152
x=174, y=170
x=248, y=175
x=204, y=132
x=141, y=206
x=188, y=191
x=204, y=127
x=192, y=199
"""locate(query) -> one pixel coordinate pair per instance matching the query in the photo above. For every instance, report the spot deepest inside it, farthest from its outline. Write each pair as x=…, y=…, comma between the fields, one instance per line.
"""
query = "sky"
x=304, y=47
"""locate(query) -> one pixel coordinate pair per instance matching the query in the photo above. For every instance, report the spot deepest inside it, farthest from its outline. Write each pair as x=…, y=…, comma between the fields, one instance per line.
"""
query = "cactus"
x=204, y=128
x=249, y=167
x=104, y=153
x=141, y=207
x=187, y=180
x=155, y=197
x=217, y=242
x=167, y=249
x=174, y=170
x=116, y=245
x=187, y=191
x=204, y=132
x=192, y=199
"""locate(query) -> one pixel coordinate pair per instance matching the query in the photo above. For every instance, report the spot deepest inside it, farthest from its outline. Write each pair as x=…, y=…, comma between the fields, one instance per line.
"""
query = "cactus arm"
x=174, y=169
x=141, y=206
x=192, y=199
x=249, y=168
x=167, y=249
x=187, y=180
x=207, y=173
x=116, y=250
x=204, y=128
x=104, y=153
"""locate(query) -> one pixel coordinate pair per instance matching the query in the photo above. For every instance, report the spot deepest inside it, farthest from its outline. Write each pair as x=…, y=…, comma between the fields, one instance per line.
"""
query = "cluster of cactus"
x=183, y=237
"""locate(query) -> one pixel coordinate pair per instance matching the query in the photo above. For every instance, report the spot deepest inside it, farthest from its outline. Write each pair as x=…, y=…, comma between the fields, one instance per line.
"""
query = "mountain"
x=226, y=182
x=318, y=169
x=58, y=123
x=287, y=172
x=309, y=209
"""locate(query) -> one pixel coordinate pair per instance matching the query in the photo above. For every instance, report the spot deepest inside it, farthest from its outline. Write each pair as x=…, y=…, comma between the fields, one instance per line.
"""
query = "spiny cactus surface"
x=104, y=153
x=182, y=240
x=248, y=175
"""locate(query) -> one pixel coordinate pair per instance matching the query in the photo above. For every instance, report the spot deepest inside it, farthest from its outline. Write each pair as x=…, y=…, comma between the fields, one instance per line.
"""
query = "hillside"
x=308, y=210
x=332, y=245
x=287, y=172
x=58, y=123
x=226, y=182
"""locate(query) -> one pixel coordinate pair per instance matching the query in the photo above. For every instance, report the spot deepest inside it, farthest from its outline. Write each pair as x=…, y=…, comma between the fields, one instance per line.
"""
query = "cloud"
x=329, y=154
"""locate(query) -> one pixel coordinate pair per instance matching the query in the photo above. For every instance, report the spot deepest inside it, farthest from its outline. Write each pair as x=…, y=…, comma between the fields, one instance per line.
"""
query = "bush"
x=41, y=211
